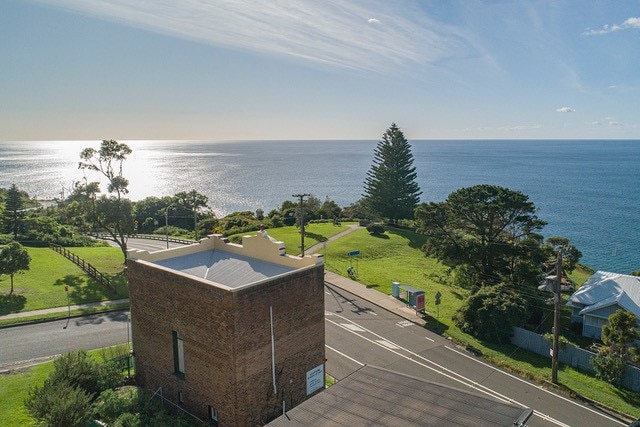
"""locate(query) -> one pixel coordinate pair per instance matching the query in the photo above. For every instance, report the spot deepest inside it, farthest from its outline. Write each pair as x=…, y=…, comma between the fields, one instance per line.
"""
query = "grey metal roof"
x=602, y=286
x=376, y=396
x=224, y=268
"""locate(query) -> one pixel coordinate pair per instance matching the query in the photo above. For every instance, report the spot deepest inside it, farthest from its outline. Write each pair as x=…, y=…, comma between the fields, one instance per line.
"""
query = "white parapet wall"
x=255, y=246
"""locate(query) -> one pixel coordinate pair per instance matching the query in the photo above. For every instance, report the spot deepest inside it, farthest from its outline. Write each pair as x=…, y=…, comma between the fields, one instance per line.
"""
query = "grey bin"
x=395, y=289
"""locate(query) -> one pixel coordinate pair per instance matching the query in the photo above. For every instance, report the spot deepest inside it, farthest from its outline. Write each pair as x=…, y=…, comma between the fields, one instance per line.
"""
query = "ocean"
x=587, y=190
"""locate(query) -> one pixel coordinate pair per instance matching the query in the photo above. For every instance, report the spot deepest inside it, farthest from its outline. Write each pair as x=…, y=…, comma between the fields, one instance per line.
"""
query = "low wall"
x=570, y=355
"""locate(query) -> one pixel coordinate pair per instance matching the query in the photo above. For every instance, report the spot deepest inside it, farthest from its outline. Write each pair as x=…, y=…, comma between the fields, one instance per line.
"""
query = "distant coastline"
x=584, y=189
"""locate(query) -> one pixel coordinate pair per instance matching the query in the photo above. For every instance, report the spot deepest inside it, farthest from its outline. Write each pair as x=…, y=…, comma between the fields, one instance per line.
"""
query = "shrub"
x=608, y=366
x=77, y=369
x=375, y=229
x=112, y=404
x=491, y=313
x=59, y=404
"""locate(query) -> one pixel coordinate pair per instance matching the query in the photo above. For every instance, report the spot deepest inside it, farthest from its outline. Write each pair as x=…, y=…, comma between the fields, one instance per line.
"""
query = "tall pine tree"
x=14, y=211
x=390, y=186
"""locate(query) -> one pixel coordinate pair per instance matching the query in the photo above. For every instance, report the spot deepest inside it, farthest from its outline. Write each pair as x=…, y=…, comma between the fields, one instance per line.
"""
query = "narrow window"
x=213, y=416
x=180, y=397
x=178, y=354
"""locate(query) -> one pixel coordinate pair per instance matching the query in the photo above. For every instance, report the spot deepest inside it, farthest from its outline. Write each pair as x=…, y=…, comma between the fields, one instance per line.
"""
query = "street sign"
x=437, y=296
x=353, y=253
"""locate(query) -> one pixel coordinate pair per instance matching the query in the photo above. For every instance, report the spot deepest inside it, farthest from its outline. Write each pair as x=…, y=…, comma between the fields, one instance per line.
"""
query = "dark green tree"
x=13, y=216
x=570, y=254
x=621, y=335
x=111, y=214
x=491, y=313
x=490, y=229
x=14, y=259
x=390, y=185
x=193, y=203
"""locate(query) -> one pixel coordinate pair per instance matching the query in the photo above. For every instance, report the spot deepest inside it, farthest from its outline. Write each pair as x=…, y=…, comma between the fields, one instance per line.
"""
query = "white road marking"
x=344, y=355
x=460, y=378
x=387, y=344
x=351, y=327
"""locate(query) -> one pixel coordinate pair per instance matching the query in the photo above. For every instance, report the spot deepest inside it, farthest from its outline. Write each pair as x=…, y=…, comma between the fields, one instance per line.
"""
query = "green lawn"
x=43, y=285
x=14, y=388
x=396, y=256
x=314, y=234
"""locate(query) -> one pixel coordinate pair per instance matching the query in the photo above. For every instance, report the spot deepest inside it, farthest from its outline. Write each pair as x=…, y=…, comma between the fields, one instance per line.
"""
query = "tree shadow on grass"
x=629, y=396
x=12, y=303
x=71, y=280
x=316, y=237
x=416, y=240
x=380, y=236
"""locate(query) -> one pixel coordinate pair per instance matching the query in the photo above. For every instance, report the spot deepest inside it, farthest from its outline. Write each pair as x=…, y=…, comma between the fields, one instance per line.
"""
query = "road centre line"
x=449, y=373
x=535, y=385
x=468, y=384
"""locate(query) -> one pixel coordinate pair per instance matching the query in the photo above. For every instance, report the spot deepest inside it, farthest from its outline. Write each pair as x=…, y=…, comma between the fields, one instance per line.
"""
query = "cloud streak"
x=335, y=32
x=565, y=110
x=629, y=23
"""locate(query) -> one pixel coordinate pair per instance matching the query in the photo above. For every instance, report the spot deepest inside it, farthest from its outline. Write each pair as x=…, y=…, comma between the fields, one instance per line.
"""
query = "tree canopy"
x=13, y=216
x=490, y=229
x=13, y=259
x=390, y=185
x=491, y=313
x=111, y=214
x=621, y=334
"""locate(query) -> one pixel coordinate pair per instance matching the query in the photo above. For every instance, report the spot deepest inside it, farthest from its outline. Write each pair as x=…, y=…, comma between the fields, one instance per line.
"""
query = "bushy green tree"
x=608, y=366
x=14, y=259
x=491, y=313
x=390, y=185
x=111, y=214
x=491, y=229
x=66, y=397
x=570, y=254
x=621, y=335
x=59, y=404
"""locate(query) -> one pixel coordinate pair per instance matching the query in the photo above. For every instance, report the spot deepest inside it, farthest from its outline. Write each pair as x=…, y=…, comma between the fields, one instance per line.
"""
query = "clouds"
x=335, y=32
x=565, y=110
x=629, y=23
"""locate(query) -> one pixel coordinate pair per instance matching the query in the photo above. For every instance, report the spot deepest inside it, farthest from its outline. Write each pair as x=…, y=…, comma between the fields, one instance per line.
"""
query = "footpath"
x=383, y=301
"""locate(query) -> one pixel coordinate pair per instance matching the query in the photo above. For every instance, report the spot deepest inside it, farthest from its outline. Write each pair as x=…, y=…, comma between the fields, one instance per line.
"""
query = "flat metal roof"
x=224, y=268
x=376, y=396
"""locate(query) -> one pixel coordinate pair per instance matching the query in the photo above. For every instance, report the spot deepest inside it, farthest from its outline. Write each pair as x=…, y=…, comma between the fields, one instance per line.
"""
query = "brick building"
x=229, y=332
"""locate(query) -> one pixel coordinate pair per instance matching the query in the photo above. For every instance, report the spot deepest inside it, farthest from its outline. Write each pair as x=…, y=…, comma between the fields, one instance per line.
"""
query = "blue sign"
x=353, y=253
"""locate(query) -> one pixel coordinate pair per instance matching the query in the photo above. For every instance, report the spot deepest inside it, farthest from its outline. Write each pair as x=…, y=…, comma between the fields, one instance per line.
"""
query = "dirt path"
x=316, y=248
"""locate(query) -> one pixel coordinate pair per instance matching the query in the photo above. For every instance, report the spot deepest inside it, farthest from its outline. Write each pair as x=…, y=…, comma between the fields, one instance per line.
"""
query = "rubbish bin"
x=395, y=289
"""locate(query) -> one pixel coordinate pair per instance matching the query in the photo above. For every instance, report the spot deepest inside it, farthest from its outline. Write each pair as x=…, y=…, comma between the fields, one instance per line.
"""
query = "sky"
x=322, y=69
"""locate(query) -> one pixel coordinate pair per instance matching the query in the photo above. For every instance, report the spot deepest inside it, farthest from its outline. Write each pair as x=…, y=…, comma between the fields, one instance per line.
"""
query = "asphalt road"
x=359, y=333
x=37, y=342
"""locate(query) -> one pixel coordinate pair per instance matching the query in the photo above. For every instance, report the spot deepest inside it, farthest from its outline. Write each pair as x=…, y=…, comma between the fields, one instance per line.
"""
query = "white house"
x=602, y=295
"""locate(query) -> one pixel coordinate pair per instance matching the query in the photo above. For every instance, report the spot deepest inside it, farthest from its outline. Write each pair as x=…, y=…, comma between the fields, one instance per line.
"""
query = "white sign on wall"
x=315, y=379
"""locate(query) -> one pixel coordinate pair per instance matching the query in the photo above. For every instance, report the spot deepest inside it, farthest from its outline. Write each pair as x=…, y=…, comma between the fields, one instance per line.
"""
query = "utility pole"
x=301, y=197
x=556, y=319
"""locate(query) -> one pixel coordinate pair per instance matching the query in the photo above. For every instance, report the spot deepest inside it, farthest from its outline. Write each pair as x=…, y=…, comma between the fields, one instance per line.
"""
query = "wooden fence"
x=85, y=266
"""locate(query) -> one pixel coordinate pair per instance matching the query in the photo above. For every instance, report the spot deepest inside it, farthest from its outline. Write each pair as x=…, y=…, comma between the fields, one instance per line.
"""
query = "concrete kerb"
x=63, y=311
x=384, y=301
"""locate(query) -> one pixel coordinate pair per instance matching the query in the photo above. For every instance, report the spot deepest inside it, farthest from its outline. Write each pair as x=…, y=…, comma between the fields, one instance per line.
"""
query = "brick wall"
x=227, y=340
